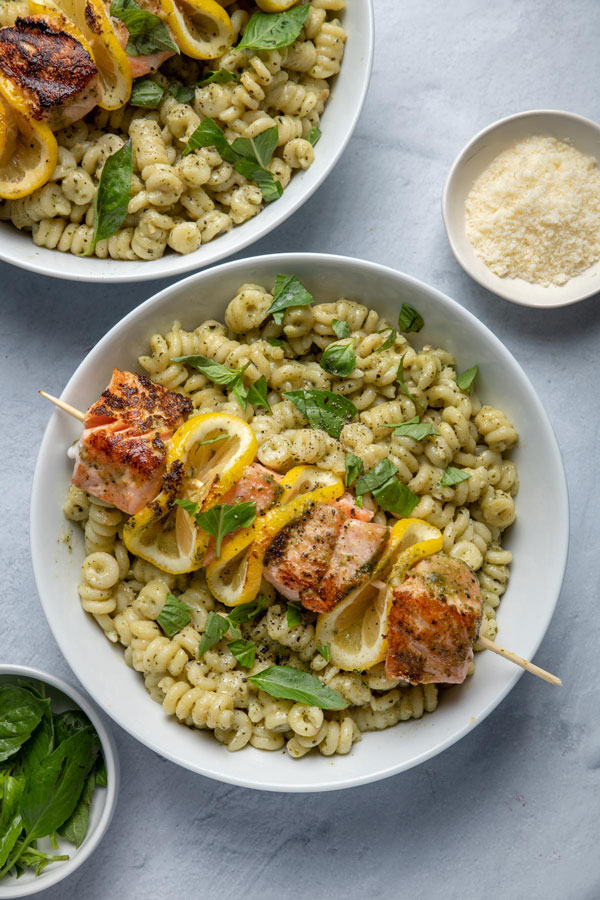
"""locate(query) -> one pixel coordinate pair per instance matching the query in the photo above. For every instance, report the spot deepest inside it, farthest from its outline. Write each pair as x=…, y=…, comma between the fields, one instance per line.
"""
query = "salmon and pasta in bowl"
x=294, y=518
x=134, y=128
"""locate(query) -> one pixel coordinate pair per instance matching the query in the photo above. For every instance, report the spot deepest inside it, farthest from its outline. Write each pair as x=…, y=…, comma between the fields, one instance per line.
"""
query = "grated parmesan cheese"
x=535, y=212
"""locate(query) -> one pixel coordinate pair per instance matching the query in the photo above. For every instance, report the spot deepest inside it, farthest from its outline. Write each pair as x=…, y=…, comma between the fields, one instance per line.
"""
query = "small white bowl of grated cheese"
x=521, y=207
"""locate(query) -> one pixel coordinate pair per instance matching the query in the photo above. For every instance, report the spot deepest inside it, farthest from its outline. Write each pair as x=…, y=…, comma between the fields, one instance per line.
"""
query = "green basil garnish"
x=323, y=409
x=222, y=519
x=246, y=611
x=146, y=93
x=414, y=429
x=354, y=468
x=313, y=135
x=275, y=342
x=294, y=616
x=216, y=628
x=259, y=149
x=339, y=359
x=112, y=196
x=465, y=379
x=294, y=684
x=147, y=32
x=256, y=393
x=287, y=292
x=219, y=437
x=20, y=714
x=244, y=652
x=174, y=615
x=209, y=134
x=453, y=476
x=341, y=329
x=389, y=341
x=271, y=31
x=391, y=494
x=221, y=76
x=409, y=319
x=271, y=188
x=325, y=651
x=183, y=93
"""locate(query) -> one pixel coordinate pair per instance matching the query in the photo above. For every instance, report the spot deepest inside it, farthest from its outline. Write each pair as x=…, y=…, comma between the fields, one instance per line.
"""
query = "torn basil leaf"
x=325, y=651
x=146, y=93
x=389, y=341
x=147, y=32
x=246, y=611
x=222, y=519
x=390, y=493
x=294, y=684
x=112, y=196
x=341, y=329
x=288, y=292
x=259, y=149
x=339, y=359
x=313, y=135
x=209, y=134
x=271, y=188
x=271, y=31
x=216, y=628
x=354, y=468
x=220, y=76
x=409, y=319
x=183, y=93
x=174, y=615
x=453, y=476
x=414, y=429
x=465, y=379
x=323, y=409
x=294, y=616
x=244, y=652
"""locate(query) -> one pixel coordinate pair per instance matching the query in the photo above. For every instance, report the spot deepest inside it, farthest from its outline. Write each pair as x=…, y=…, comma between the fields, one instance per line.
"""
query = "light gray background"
x=512, y=810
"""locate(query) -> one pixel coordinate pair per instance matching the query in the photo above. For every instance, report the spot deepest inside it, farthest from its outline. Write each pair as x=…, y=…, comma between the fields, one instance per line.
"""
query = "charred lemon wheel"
x=357, y=628
x=202, y=28
x=29, y=149
x=92, y=21
x=235, y=577
x=164, y=533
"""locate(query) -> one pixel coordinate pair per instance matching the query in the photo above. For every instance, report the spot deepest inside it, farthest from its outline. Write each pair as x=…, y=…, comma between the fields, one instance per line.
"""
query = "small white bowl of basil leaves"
x=59, y=779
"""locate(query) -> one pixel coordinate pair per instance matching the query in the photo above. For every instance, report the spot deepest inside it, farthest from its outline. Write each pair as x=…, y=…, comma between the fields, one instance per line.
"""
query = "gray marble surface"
x=511, y=811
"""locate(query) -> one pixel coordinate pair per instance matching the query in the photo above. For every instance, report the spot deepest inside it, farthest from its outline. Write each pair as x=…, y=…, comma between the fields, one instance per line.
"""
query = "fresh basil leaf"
x=20, y=714
x=256, y=394
x=31, y=857
x=465, y=379
x=323, y=409
x=339, y=359
x=259, y=149
x=288, y=292
x=101, y=773
x=389, y=341
x=174, y=615
x=271, y=31
x=375, y=478
x=354, y=468
x=325, y=651
x=112, y=196
x=219, y=437
x=52, y=792
x=221, y=76
x=246, y=611
x=70, y=722
x=213, y=370
x=183, y=93
x=341, y=329
x=39, y=745
x=190, y=506
x=453, y=476
x=294, y=616
x=294, y=684
x=146, y=93
x=275, y=342
x=402, y=383
x=10, y=818
x=270, y=187
x=223, y=518
x=409, y=319
x=209, y=134
x=396, y=498
x=244, y=652
x=216, y=627
x=76, y=826
x=147, y=32
x=313, y=135
x=414, y=429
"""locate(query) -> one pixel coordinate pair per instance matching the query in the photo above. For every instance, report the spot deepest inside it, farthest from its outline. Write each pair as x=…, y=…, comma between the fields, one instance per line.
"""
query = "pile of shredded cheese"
x=535, y=212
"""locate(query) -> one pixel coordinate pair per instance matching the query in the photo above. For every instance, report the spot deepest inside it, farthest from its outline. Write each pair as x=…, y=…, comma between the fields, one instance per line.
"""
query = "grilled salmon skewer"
x=317, y=560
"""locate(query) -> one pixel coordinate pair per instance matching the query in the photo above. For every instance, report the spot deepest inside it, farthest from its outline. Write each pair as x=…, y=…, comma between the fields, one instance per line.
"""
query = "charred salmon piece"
x=299, y=555
x=121, y=453
x=51, y=68
x=257, y=483
x=357, y=551
x=433, y=623
x=348, y=506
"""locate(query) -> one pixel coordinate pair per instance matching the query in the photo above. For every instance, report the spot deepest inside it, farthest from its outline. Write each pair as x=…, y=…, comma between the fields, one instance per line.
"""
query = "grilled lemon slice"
x=357, y=628
x=29, y=149
x=205, y=458
x=275, y=6
x=202, y=28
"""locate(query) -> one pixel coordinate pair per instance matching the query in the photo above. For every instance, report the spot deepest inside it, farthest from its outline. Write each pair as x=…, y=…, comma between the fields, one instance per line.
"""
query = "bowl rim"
x=459, y=161
x=52, y=876
x=151, y=270
x=288, y=261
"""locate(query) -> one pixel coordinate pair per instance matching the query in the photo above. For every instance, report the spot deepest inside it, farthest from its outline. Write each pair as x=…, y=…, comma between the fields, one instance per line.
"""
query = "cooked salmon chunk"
x=149, y=62
x=53, y=70
x=299, y=555
x=357, y=551
x=121, y=453
x=256, y=483
x=434, y=621
x=348, y=506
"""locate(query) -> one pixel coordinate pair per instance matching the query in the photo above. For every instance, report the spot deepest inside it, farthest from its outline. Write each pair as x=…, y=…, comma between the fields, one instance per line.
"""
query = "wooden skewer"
x=489, y=645
x=519, y=661
x=66, y=407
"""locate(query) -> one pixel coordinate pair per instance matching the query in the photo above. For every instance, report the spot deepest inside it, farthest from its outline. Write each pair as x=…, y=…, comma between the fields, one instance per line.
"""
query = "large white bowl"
x=339, y=120
x=538, y=539
x=104, y=800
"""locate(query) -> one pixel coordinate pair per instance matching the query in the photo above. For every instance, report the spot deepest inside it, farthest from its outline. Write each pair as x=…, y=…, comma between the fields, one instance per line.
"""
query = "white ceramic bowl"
x=338, y=122
x=538, y=539
x=468, y=166
x=104, y=801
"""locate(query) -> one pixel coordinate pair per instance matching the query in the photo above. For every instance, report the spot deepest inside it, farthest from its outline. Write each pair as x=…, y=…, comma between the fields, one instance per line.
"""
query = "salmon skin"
x=434, y=621
x=318, y=559
x=121, y=453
